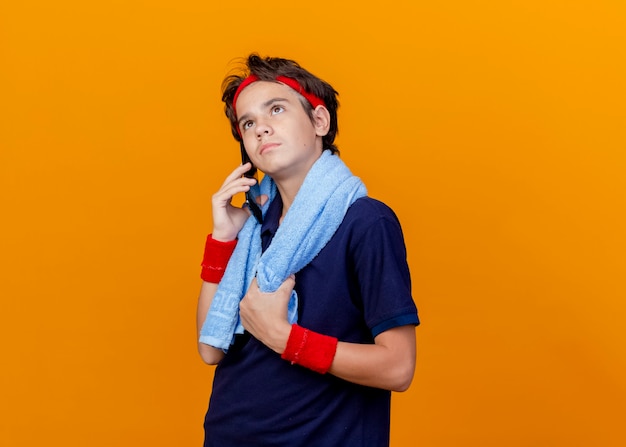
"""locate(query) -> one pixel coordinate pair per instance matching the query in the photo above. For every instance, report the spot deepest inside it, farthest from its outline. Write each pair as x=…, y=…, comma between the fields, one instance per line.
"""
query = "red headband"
x=290, y=82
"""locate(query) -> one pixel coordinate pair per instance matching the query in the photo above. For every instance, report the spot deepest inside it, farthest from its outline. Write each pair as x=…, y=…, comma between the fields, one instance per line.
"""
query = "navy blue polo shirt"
x=357, y=287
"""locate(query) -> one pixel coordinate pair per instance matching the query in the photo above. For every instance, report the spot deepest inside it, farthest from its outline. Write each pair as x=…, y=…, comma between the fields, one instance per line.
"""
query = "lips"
x=267, y=146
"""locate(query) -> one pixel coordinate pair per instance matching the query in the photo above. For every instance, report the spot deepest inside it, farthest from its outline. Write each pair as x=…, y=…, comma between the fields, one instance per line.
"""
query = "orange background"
x=496, y=130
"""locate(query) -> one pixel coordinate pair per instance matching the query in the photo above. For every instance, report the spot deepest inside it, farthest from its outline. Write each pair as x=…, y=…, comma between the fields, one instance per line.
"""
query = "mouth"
x=267, y=146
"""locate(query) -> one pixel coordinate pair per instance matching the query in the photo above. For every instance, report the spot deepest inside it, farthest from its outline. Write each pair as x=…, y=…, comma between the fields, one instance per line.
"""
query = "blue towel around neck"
x=315, y=214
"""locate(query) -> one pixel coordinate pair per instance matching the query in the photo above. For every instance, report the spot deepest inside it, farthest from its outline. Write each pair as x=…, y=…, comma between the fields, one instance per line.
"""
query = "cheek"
x=249, y=140
x=306, y=129
x=249, y=146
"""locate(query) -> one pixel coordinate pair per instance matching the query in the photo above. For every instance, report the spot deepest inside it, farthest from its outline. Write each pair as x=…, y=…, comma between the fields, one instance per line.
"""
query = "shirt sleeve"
x=382, y=273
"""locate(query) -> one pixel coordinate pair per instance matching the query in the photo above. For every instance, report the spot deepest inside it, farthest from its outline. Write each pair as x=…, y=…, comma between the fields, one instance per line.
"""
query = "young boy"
x=321, y=285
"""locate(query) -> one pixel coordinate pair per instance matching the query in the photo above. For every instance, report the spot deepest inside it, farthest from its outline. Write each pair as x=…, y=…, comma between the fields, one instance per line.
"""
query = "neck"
x=287, y=194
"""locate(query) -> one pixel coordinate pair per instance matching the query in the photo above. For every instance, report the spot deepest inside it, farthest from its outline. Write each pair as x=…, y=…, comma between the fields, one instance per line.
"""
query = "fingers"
x=238, y=172
x=285, y=288
x=288, y=284
x=234, y=184
x=228, y=219
x=262, y=314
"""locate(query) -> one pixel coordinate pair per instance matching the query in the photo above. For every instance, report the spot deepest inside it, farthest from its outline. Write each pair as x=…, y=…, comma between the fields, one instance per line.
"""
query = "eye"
x=277, y=109
x=246, y=125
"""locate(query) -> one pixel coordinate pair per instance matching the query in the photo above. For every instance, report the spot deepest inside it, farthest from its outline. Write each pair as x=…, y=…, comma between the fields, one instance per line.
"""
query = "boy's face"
x=278, y=133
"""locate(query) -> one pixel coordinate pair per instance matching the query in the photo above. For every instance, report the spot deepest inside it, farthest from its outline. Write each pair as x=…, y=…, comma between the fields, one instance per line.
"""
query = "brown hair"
x=267, y=69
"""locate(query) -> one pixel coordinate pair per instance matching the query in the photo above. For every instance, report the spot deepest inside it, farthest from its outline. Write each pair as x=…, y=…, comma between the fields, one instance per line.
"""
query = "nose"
x=263, y=128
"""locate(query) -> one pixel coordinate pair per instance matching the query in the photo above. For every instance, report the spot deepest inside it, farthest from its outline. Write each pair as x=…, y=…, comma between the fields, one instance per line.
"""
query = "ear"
x=321, y=121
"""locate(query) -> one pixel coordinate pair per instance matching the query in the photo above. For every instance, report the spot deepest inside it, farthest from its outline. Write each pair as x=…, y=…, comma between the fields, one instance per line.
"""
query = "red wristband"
x=310, y=349
x=216, y=256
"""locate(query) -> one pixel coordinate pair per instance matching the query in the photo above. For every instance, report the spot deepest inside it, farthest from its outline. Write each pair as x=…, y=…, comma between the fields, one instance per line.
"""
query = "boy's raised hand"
x=228, y=219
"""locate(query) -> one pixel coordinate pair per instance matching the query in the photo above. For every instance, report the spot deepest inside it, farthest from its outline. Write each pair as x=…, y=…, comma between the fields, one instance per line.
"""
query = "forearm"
x=217, y=252
x=208, y=353
x=389, y=363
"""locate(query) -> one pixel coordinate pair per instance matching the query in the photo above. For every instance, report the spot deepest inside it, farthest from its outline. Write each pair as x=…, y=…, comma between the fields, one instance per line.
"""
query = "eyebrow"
x=266, y=104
